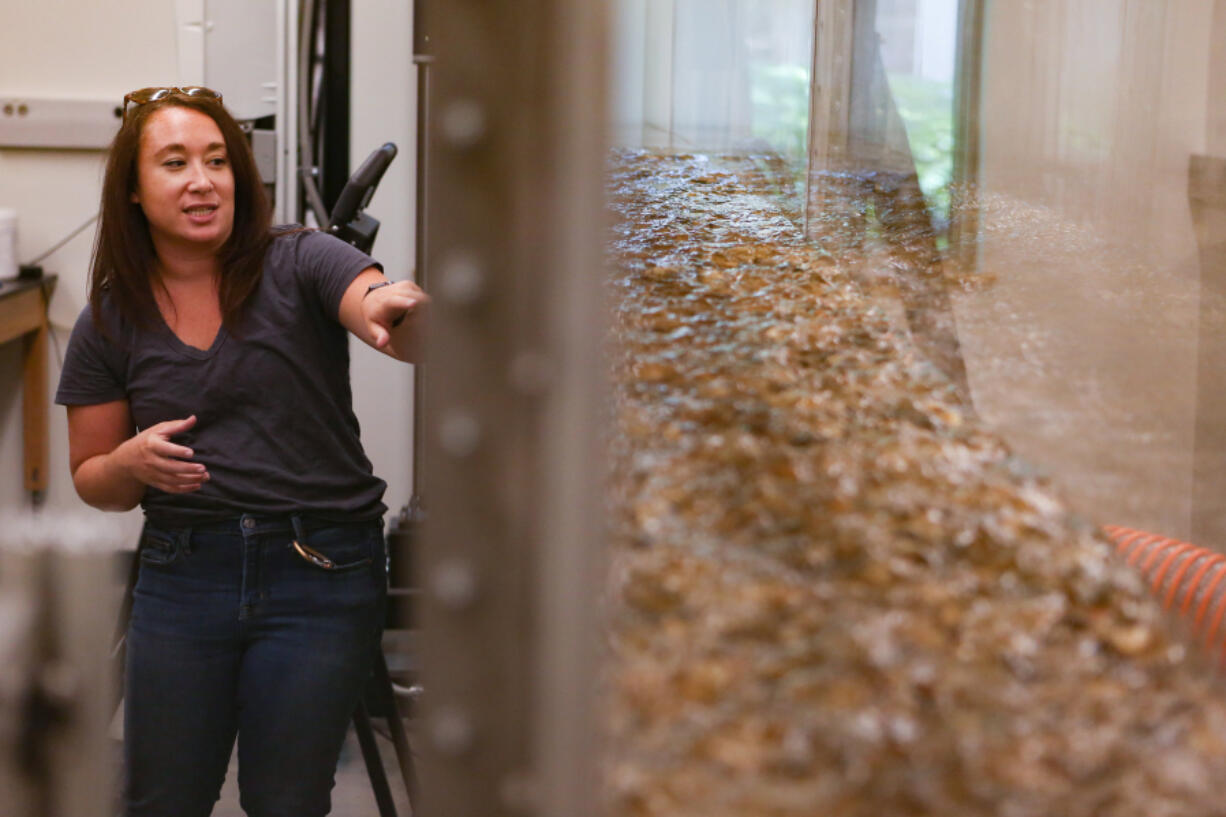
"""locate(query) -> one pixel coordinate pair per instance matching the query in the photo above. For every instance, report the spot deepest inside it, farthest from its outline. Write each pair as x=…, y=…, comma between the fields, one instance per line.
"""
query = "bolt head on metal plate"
x=451, y=730
x=454, y=583
x=463, y=122
x=459, y=432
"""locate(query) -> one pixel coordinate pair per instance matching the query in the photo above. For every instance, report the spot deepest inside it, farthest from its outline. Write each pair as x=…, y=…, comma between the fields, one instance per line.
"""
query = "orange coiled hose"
x=1181, y=573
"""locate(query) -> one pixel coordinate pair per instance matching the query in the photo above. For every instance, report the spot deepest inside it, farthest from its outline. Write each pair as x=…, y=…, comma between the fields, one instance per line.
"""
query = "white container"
x=8, y=243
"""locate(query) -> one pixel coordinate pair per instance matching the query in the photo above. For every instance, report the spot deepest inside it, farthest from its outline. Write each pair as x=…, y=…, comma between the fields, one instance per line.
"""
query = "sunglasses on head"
x=145, y=95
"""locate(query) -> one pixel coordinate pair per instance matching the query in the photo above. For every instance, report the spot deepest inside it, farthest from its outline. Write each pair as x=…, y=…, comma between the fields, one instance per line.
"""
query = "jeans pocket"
x=336, y=550
x=162, y=548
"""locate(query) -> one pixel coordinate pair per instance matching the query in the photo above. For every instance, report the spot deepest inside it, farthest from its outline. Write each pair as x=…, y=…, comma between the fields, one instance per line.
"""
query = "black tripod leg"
x=374, y=764
x=395, y=727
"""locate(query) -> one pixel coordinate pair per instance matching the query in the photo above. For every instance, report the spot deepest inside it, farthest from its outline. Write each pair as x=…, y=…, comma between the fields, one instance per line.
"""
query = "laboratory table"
x=23, y=316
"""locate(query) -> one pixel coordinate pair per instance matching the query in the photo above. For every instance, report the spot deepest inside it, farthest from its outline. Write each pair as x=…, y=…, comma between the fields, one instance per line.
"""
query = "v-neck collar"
x=187, y=349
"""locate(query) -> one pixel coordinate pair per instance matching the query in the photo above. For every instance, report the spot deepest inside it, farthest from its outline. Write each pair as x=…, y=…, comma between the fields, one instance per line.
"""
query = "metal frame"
x=830, y=100
x=968, y=89
x=287, y=192
x=423, y=58
x=334, y=104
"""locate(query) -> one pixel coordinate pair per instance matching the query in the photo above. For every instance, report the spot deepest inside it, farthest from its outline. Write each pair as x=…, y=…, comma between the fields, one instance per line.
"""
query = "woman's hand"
x=386, y=308
x=112, y=465
x=388, y=317
x=151, y=458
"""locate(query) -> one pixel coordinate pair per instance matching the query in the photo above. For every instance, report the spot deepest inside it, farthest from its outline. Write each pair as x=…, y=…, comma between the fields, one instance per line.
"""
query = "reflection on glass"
x=1084, y=348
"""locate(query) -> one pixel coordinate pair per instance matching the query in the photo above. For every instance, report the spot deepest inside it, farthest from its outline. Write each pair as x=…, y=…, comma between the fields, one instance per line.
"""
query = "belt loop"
x=184, y=543
x=299, y=529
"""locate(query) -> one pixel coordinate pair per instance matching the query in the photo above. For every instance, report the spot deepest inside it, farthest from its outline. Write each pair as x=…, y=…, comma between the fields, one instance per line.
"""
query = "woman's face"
x=184, y=181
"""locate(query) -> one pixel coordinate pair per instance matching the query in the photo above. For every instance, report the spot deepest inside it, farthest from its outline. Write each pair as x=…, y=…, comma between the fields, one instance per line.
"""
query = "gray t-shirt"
x=275, y=423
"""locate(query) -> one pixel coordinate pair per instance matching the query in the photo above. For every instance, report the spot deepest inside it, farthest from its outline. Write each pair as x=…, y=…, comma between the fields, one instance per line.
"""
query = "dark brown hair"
x=124, y=260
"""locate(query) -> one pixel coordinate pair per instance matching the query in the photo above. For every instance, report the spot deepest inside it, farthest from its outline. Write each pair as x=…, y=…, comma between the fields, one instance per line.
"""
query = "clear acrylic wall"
x=868, y=448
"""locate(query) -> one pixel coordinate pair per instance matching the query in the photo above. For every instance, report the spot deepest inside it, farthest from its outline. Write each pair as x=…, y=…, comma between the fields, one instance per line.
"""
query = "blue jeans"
x=235, y=631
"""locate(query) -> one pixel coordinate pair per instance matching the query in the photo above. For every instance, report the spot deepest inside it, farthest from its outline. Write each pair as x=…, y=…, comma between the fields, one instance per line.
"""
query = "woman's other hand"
x=152, y=458
x=112, y=465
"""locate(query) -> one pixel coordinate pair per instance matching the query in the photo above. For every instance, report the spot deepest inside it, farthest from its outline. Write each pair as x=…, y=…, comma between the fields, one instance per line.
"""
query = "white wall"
x=85, y=49
x=71, y=49
x=937, y=39
x=384, y=89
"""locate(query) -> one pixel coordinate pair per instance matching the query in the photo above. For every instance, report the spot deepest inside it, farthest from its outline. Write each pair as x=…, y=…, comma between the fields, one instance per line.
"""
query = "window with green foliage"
x=926, y=108
x=780, y=97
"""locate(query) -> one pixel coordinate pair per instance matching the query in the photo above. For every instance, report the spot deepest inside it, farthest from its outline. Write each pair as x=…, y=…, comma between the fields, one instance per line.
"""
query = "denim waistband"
x=249, y=524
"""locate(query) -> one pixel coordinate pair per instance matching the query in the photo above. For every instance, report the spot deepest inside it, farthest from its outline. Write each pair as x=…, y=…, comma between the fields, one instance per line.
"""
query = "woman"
x=208, y=381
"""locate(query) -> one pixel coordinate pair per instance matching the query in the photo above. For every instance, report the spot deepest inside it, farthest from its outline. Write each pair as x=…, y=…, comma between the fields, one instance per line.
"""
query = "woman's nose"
x=200, y=180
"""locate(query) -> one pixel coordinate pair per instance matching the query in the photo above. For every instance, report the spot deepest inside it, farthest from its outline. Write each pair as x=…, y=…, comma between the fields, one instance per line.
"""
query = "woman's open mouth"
x=201, y=213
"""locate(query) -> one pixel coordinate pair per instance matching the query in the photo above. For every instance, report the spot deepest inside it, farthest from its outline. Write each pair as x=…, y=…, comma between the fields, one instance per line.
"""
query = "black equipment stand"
x=350, y=223
x=381, y=687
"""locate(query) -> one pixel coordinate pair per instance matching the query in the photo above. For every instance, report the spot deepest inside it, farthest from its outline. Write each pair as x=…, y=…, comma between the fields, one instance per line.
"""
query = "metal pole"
x=334, y=166
x=422, y=58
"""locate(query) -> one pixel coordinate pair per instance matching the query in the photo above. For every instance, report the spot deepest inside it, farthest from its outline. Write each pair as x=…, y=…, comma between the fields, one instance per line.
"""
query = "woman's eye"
x=173, y=163
x=218, y=161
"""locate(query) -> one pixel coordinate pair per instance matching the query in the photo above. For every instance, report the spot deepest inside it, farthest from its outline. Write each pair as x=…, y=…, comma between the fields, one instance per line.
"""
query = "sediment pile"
x=833, y=591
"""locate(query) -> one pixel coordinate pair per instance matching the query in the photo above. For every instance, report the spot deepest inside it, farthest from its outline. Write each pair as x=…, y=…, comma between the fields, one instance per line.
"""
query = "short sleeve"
x=328, y=266
x=94, y=367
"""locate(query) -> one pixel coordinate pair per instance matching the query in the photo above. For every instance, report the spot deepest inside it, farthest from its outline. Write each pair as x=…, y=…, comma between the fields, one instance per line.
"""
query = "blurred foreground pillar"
x=57, y=617
x=513, y=384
